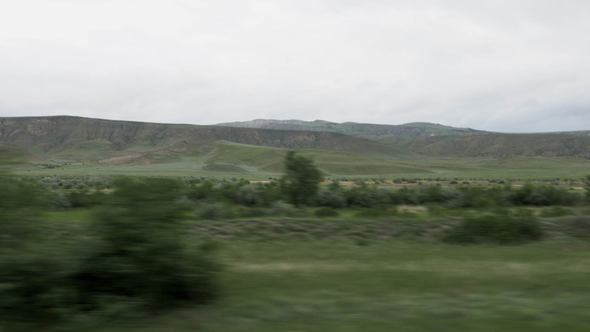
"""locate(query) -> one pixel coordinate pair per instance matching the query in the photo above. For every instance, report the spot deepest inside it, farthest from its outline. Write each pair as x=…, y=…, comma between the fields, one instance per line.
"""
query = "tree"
x=301, y=180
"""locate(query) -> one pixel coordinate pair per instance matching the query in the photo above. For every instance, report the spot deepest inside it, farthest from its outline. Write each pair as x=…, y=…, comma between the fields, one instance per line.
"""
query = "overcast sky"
x=514, y=65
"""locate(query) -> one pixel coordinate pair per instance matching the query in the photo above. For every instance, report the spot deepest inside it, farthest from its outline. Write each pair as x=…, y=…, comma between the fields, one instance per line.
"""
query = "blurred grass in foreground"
x=389, y=286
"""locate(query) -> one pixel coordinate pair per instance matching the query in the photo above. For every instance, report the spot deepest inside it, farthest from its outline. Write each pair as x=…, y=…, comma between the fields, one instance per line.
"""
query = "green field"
x=388, y=286
x=255, y=162
x=317, y=275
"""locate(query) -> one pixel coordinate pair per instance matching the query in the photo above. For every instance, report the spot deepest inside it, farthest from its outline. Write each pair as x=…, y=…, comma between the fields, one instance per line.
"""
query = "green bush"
x=134, y=255
x=500, y=228
x=201, y=191
x=214, y=211
x=367, y=196
x=555, y=211
x=143, y=254
x=376, y=213
x=33, y=267
x=543, y=196
x=59, y=200
x=249, y=212
x=404, y=196
x=20, y=204
x=326, y=212
x=434, y=194
x=84, y=198
x=282, y=209
x=333, y=198
x=475, y=197
x=577, y=227
x=34, y=285
x=249, y=195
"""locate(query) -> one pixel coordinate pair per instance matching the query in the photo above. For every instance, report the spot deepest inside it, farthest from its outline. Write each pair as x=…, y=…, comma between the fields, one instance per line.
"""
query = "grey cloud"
x=495, y=65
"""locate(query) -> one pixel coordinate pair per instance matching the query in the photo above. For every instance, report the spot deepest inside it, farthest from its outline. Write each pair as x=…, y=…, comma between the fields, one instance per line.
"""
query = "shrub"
x=214, y=211
x=32, y=268
x=578, y=227
x=201, y=191
x=143, y=254
x=20, y=201
x=405, y=196
x=326, y=212
x=496, y=228
x=59, y=200
x=473, y=197
x=543, y=196
x=555, y=211
x=433, y=194
x=83, y=198
x=249, y=212
x=283, y=209
x=34, y=286
x=249, y=195
x=331, y=198
x=367, y=196
x=375, y=213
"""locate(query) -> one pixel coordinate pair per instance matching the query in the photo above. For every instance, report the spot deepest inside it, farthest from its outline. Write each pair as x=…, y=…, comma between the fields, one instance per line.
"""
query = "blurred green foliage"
x=136, y=253
x=499, y=228
x=143, y=252
x=587, y=186
x=33, y=268
x=9, y=158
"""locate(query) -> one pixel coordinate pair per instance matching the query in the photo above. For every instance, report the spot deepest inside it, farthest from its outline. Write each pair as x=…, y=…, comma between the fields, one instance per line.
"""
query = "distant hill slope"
x=66, y=138
x=443, y=141
x=365, y=130
x=498, y=145
x=95, y=139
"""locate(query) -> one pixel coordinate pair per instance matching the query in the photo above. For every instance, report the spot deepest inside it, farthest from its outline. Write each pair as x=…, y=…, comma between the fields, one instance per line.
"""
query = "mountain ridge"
x=110, y=141
x=256, y=123
x=438, y=140
x=365, y=130
x=71, y=136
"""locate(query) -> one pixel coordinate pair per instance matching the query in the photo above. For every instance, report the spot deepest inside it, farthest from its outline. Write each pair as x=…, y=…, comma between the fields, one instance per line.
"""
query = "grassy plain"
x=389, y=286
x=315, y=275
x=228, y=160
